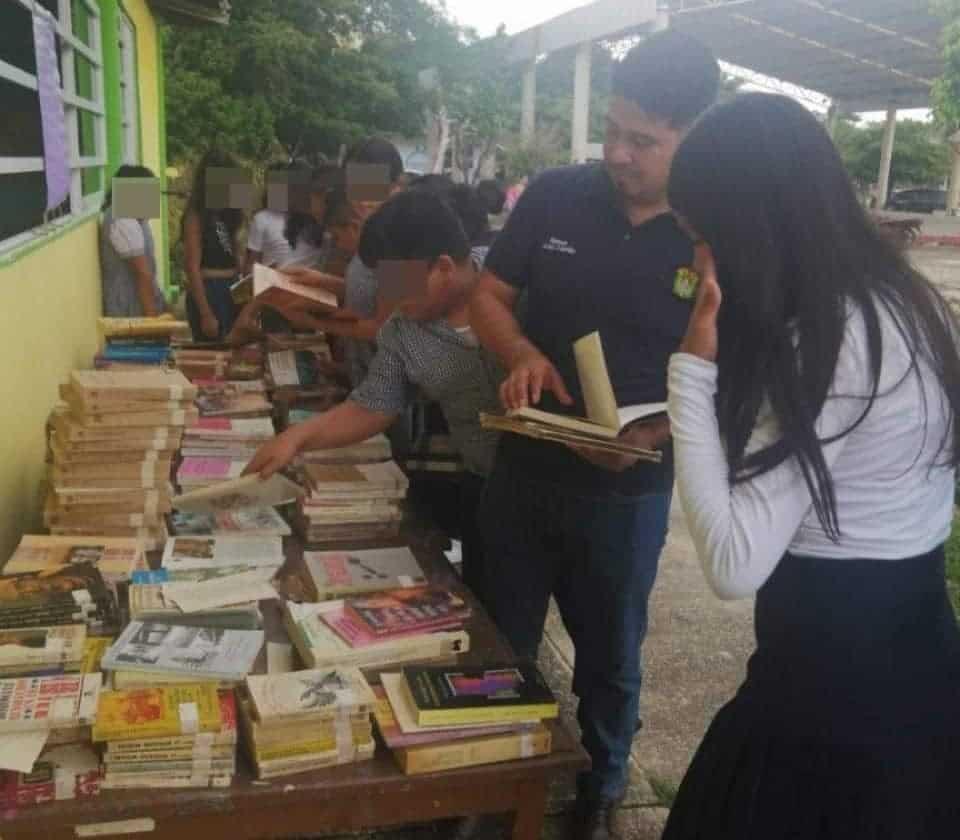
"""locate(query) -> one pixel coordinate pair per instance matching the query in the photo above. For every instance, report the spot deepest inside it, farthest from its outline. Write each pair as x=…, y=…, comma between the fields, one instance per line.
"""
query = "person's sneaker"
x=593, y=819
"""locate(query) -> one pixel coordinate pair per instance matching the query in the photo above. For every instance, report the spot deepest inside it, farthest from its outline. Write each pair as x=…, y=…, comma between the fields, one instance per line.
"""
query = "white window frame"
x=73, y=105
x=129, y=91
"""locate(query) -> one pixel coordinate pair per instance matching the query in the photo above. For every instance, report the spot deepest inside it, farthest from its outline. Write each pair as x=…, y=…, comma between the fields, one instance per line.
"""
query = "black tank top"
x=217, y=251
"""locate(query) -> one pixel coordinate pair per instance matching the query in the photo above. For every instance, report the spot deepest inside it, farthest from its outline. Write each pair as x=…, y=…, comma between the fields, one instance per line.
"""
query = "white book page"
x=595, y=384
x=632, y=413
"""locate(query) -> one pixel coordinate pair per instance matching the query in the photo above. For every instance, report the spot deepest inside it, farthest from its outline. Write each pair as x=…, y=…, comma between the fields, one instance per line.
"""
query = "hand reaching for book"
x=275, y=454
x=311, y=277
x=530, y=377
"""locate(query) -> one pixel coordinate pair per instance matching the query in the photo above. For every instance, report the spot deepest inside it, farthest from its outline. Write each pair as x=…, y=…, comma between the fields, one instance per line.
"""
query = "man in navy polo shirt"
x=595, y=248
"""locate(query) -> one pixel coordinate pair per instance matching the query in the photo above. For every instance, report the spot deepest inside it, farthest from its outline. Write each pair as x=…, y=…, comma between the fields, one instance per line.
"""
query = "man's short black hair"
x=493, y=196
x=670, y=75
x=416, y=224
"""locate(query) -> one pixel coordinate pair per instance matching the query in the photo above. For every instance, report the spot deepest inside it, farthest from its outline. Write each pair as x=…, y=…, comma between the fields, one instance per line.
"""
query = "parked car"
x=921, y=200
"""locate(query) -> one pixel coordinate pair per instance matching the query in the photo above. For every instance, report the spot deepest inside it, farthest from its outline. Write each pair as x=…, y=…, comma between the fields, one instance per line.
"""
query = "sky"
x=486, y=15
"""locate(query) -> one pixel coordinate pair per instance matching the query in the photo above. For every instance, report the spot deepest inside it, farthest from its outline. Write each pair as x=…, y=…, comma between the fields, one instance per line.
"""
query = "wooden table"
x=370, y=794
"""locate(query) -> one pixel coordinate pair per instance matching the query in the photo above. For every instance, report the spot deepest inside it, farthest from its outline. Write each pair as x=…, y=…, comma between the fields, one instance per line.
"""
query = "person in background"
x=427, y=344
x=128, y=264
x=597, y=249
x=814, y=404
x=267, y=235
x=288, y=241
x=212, y=255
x=494, y=198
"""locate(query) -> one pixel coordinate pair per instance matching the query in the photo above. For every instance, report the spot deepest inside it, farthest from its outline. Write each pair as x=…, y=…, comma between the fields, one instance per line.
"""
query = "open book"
x=248, y=491
x=274, y=288
x=604, y=422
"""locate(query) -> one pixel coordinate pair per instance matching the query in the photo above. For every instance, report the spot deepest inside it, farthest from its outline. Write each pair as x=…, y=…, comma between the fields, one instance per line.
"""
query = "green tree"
x=946, y=90
x=919, y=155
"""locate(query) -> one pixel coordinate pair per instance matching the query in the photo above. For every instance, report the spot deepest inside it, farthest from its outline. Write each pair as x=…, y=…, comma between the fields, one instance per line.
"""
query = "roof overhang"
x=194, y=11
x=865, y=55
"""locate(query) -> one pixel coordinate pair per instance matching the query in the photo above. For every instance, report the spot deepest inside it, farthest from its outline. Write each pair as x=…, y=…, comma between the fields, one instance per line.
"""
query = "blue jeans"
x=597, y=555
x=220, y=301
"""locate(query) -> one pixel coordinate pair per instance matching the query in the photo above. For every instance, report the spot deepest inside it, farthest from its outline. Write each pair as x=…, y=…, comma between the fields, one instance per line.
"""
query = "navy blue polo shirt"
x=569, y=244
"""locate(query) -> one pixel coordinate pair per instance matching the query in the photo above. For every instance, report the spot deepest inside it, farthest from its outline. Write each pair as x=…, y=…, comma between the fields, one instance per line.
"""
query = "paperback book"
x=418, y=609
x=335, y=574
x=211, y=552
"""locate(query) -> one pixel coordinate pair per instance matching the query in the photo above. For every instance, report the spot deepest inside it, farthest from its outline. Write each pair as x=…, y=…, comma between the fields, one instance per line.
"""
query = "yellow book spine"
x=491, y=714
x=93, y=650
x=294, y=750
x=469, y=753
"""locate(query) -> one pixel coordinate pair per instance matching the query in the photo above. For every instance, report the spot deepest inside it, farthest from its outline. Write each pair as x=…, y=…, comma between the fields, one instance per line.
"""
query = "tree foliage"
x=946, y=90
x=919, y=156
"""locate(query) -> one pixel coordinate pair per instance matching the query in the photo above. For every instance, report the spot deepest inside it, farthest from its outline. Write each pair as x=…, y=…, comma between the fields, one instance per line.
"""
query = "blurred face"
x=638, y=150
x=434, y=297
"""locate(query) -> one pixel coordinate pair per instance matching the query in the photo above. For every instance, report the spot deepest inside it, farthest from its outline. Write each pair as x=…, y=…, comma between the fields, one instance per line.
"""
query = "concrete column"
x=581, y=103
x=528, y=113
x=953, y=196
x=886, y=157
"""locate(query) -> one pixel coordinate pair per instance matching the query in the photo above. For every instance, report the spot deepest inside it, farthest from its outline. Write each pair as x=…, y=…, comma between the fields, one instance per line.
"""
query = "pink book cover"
x=357, y=636
x=213, y=424
x=207, y=468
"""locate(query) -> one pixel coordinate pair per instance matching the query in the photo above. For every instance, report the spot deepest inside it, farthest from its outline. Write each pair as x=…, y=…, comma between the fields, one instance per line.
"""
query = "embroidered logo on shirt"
x=560, y=246
x=685, y=283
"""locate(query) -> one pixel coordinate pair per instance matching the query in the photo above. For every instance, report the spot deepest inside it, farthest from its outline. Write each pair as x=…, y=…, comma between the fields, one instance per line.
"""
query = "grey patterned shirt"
x=450, y=368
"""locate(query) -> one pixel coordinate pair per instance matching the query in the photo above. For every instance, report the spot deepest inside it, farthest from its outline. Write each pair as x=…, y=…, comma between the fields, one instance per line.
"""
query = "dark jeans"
x=221, y=302
x=597, y=555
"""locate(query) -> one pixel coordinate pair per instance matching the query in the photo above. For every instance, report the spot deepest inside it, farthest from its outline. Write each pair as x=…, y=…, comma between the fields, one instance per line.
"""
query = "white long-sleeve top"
x=893, y=500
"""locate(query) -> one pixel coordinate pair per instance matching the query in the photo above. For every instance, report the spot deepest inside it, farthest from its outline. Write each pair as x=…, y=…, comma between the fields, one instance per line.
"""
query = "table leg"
x=528, y=818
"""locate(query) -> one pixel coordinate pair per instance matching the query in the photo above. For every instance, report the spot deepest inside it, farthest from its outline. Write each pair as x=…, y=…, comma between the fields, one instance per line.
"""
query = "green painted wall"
x=110, y=34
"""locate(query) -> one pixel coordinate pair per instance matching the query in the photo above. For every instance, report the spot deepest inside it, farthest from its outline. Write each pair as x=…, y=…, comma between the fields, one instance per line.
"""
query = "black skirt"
x=848, y=724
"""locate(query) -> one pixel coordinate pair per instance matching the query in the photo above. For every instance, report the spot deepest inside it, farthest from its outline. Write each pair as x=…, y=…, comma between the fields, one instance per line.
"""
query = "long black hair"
x=326, y=180
x=761, y=182
x=197, y=203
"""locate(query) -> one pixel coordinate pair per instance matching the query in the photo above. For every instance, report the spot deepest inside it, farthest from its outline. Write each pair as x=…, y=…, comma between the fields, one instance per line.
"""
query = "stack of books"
x=64, y=705
x=34, y=651
x=437, y=718
x=167, y=737
x=70, y=771
x=116, y=558
x=241, y=398
x=218, y=362
x=350, y=502
x=251, y=522
x=434, y=453
x=226, y=438
x=74, y=594
x=304, y=720
x=152, y=602
x=370, y=451
x=167, y=654
x=427, y=622
x=112, y=451
x=130, y=343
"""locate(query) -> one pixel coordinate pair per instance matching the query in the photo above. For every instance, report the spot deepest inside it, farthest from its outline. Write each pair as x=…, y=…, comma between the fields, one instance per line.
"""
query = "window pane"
x=22, y=135
x=87, y=123
x=52, y=6
x=92, y=180
x=84, y=75
x=81, y=21
x=16, y=37
x=22, y=199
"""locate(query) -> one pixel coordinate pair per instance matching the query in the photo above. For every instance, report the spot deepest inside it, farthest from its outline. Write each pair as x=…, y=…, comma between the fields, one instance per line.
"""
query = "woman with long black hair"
x=813, y=406
x=212, y=256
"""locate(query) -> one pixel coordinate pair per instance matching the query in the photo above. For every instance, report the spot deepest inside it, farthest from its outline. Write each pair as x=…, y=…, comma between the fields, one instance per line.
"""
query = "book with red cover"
x=418, y=609
x=356, y=634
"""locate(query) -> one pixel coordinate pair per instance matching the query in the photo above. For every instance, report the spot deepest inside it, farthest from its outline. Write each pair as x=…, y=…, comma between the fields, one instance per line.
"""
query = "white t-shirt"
x=266, y=236
x=892, y=499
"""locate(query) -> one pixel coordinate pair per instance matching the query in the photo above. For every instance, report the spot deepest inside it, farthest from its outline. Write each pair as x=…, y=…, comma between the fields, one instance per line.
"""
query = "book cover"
x=208, y=470
x=211, y=552
x=103, y=420
x=157, y=713
x=385, y=475
x=25, y=650
x=224, y=738
x=76, y=584
x=242, y=428
x=62, y=701
x=252, y=522
x=312, y=629
x=396, y=738
x=113, y=557
x=407, y=610
x=479, y=695
x=325, y=692
x=337, y=573
x=223, y=404
x=198, y=651
x=488, y=749
x=276, y=289
x=70, y=771
x=250, y=491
